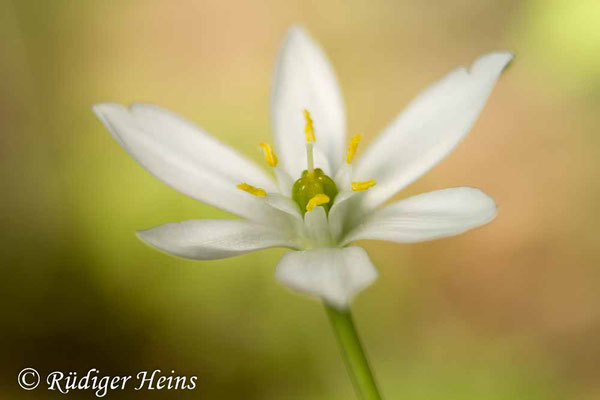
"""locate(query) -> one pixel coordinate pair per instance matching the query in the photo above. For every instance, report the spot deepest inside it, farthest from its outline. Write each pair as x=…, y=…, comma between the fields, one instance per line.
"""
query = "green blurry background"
x=509, y=311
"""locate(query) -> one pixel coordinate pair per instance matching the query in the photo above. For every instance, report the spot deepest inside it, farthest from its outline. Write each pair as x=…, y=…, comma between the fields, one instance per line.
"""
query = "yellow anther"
x=258, y=192
x=309, y=129
x=317, y=200
x=270, y=156
x=352, y=148
x=358, y=186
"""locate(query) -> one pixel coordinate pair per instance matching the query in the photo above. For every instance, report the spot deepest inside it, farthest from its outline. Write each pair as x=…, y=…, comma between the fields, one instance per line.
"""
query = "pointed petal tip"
x=296, y=30
x=475, y=192
x=151, y=240
x=297, y=37
x=511, y=58
x=485, y=200
x=109, y=113
x=145, y=235
x=99, y=109
x=496, y=61
x=141, y=232
x=106, y=107
x=157, y=239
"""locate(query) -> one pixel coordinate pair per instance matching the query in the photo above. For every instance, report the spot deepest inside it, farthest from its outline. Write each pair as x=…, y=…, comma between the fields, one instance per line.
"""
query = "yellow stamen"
x=358, y=186
x=352, y=148
x=309, y=129
x=270, y=156
x=258, y=192
x=317, y=200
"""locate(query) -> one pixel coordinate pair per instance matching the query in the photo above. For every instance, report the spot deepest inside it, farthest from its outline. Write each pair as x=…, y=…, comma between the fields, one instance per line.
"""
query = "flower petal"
x=428, y=216
x=188, y=159
x=285, y=204
x=334, y=274
x=211, y=239
x=429, y=128
x=317, y=228
x=344, y=212
x=343, y=177
x=182, y=135
x=284, y=181
x=305, y=80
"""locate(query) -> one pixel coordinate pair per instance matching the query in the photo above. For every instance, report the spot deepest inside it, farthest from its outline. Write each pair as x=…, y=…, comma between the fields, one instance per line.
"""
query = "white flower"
x=320, y=228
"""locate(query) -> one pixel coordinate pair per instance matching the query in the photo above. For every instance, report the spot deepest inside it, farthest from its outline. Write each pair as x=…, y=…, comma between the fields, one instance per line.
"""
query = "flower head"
x=326, y=195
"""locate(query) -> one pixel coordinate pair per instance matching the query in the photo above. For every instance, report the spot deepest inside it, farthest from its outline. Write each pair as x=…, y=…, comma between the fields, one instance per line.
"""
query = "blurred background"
x=508, y=311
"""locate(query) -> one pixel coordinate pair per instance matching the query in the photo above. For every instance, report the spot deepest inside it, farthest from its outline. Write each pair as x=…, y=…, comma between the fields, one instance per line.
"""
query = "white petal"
x=188, y=159
x=285, y=204
x=334, y=274
x=346, y=205
x=305, y=80
x=428, y=216
x=317, y=227
x=187, y=139
x=343, y=177
x=211, y=239
x=429, y=128
x=284, y=181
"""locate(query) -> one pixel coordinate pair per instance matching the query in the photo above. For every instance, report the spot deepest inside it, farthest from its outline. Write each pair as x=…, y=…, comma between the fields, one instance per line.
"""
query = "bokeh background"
x=508, y=311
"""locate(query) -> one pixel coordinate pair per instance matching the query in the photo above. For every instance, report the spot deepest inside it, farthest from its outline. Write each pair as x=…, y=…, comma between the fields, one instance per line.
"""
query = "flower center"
x=314, y=189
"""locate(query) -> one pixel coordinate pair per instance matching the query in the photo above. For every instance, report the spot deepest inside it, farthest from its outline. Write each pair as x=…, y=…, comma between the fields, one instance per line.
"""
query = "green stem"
x=352, y=351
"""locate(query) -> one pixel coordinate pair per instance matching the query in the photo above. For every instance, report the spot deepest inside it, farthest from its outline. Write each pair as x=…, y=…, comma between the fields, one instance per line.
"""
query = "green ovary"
x=311, y=184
